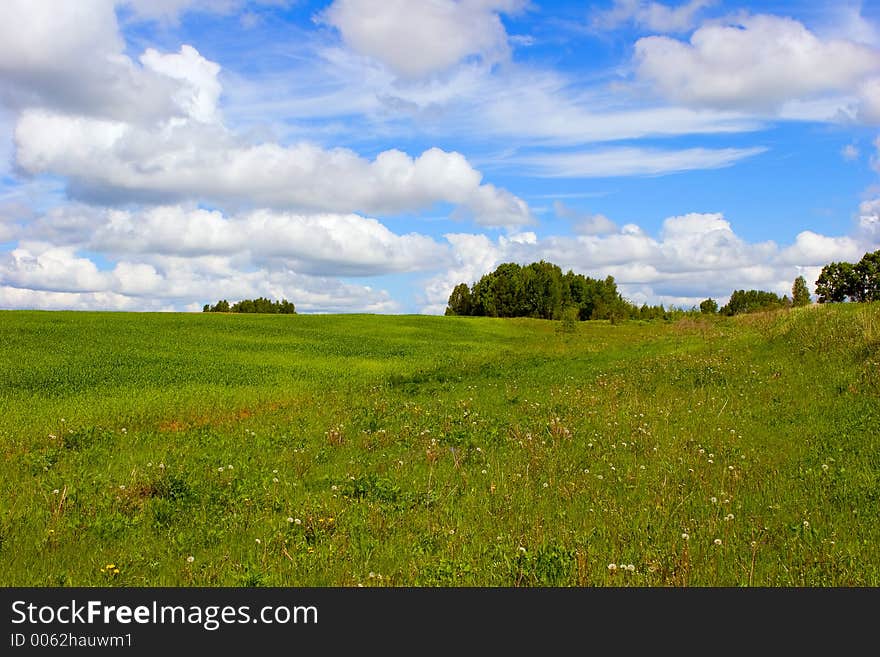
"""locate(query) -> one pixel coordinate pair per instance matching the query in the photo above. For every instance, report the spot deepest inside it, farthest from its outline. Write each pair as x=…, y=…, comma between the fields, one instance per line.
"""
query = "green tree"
x=541, y=290
x=507, y=290
x=752, y=301
x=866, y=277
x=460, y=301
x=607, y=302
x=243, y=306
x=221, y=306
x=836, y=282
x=578, y=294
x=709, y=306
x=800, y=295
x=569, y=319
x=483, y=297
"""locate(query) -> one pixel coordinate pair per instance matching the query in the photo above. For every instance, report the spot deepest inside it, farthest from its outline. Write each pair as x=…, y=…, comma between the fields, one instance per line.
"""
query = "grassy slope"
x=439, y=451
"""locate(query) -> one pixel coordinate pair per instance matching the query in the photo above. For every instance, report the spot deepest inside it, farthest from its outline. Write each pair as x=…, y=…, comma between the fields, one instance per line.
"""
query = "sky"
x=369, y=155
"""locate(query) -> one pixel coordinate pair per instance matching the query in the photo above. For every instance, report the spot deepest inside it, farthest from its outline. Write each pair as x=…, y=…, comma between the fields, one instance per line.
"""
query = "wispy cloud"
x=652, y=16
x=630, y=161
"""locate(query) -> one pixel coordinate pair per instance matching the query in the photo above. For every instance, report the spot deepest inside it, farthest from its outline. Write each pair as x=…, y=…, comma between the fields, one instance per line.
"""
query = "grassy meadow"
x=240, y=450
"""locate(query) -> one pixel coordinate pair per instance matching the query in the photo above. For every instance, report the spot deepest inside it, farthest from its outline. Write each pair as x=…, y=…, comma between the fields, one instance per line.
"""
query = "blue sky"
x=366, y=156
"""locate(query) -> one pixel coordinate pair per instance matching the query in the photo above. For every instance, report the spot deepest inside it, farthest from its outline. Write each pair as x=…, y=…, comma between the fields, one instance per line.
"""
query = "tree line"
x=754, y=301
x=258, y=305
x=542, y=291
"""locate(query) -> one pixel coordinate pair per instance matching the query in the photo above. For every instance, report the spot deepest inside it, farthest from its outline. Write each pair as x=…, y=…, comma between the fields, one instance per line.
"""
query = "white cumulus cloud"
x=106, y=160
x=41, y=276
x=201, y=91
x=416, y=38
x=756, y=63
x=70, y=57
x=811, y=248
x=321, y=244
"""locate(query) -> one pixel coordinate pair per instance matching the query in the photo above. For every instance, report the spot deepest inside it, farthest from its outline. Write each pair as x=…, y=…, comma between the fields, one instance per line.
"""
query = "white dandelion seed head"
x=631, y=568
x=258, y=541
x=717, y=541
x=612, y=567
x=190, y=559
x=290, y=519
x=686, y=536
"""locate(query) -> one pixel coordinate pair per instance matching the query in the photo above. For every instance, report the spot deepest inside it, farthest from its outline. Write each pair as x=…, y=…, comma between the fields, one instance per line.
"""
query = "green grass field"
x=236, y=450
